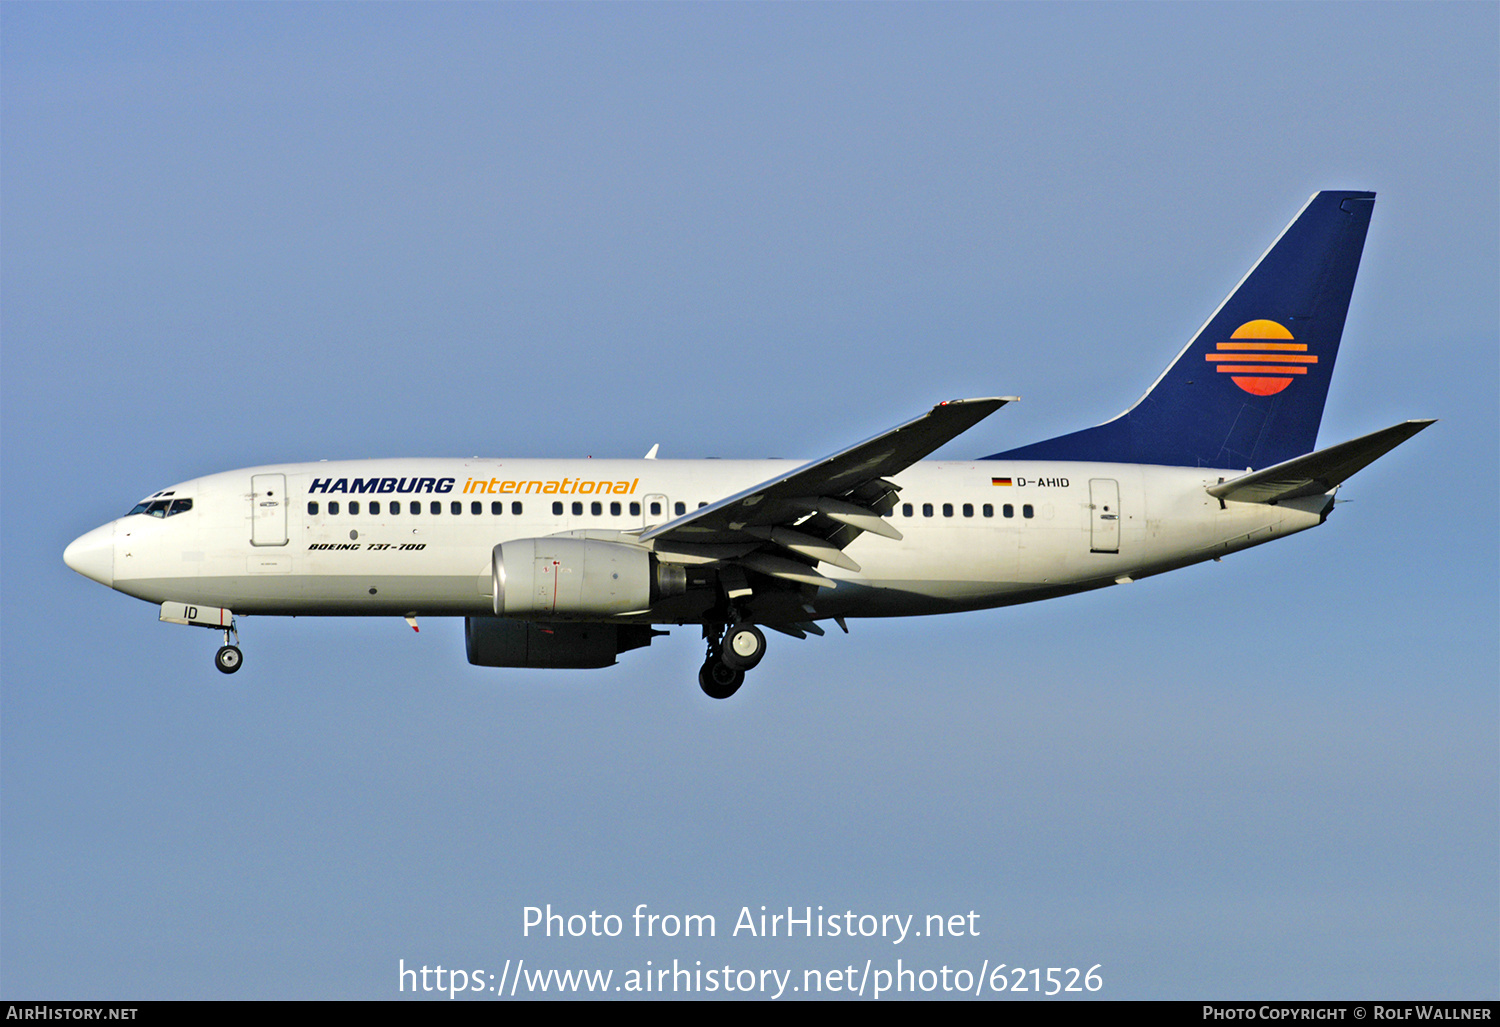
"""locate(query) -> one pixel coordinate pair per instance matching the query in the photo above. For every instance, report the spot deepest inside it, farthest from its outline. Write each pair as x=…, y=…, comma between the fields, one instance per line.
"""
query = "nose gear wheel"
x=229, y=658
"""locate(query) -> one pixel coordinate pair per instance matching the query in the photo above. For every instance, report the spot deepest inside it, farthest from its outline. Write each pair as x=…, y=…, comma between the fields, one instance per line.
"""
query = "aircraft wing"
x=786, y=525
x=1316, y=472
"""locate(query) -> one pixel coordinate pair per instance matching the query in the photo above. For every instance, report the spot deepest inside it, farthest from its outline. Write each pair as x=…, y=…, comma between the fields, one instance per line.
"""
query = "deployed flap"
x=1315, y=473
x=781, y=501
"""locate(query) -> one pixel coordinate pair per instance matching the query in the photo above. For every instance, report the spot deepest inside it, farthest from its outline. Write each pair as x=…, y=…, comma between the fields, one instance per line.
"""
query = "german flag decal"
x=1261, y=357
x=1000, y=481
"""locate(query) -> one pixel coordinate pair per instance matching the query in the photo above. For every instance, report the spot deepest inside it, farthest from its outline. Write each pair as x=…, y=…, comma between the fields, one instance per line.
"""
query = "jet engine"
x=502, y=642
x=579, y=578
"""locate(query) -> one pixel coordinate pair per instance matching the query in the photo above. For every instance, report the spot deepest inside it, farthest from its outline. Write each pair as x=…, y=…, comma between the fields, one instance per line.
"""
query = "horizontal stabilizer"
x=1315, y=473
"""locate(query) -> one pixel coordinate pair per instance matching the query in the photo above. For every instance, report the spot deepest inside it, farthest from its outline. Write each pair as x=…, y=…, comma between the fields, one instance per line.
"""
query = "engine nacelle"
x=574, y=578
x=502, y=642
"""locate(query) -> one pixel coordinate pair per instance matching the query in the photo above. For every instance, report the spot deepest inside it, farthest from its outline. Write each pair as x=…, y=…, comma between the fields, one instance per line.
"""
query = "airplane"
x=570, y=563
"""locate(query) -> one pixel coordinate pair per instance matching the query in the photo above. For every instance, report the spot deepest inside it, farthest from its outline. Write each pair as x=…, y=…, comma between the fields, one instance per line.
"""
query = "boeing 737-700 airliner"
x=568, y=563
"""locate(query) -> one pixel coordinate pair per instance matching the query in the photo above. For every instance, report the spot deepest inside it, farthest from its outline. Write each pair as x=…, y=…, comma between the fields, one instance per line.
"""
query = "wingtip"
x=979, y=399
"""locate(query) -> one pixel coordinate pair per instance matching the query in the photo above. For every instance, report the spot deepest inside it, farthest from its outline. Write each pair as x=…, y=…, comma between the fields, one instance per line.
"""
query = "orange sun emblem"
x=1262, y=357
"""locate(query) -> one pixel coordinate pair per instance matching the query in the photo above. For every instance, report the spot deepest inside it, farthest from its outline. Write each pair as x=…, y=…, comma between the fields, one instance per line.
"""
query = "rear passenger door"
x=1104, y=504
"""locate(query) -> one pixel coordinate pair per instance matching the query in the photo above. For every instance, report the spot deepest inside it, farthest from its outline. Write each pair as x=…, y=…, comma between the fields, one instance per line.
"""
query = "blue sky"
x=243, y=234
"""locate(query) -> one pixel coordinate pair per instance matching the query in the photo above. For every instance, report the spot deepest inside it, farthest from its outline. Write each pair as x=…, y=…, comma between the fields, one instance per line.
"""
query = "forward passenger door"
x=268, y=510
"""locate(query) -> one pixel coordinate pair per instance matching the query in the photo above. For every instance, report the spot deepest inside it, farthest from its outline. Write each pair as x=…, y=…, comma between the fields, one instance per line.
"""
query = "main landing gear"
x=730, y=654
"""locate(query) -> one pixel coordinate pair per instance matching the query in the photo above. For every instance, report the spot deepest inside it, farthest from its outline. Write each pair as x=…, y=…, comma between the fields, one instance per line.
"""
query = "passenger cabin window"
x=477, y=507
x=947, y=509
x=557, y=509
x=436, y=507
x=515, y=508
x=577, y=509
x=968, y=509
x=635, y=509
x=1008, y=510
x=988, y=510
x=596, y=508
x=374, y=507
x=457, y=508
x=906, y=510
x=333, y=506
x=312, y=508
x=1027, y=511
x=681, y=509
x=354, y=506
x=395, y=507
x=614, y=509
x=497, y=508
x=416, y=506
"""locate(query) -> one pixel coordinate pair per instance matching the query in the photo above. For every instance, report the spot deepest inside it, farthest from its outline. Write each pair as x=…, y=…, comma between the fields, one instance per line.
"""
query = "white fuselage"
x=286, y=539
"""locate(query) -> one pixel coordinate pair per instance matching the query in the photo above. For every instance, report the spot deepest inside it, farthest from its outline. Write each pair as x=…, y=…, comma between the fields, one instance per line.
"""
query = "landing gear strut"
x=730, y=654
x=229, y=658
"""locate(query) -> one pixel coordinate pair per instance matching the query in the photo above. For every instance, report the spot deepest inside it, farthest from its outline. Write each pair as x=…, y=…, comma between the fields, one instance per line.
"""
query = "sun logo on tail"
x=1261, y=357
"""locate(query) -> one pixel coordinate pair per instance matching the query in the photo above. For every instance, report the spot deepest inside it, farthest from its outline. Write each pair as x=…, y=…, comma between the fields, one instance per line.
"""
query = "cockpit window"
x=162, y=507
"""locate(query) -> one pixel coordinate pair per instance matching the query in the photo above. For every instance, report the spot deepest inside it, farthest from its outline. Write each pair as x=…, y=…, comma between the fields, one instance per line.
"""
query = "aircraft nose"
x=93, y=555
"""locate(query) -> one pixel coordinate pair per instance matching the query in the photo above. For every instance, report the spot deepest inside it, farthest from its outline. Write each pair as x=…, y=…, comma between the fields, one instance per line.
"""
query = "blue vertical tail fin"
x=1249, y=389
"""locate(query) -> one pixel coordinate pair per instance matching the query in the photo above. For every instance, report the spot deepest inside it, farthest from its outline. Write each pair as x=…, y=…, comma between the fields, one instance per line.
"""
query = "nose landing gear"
x=229, y=658
x=730, y=654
